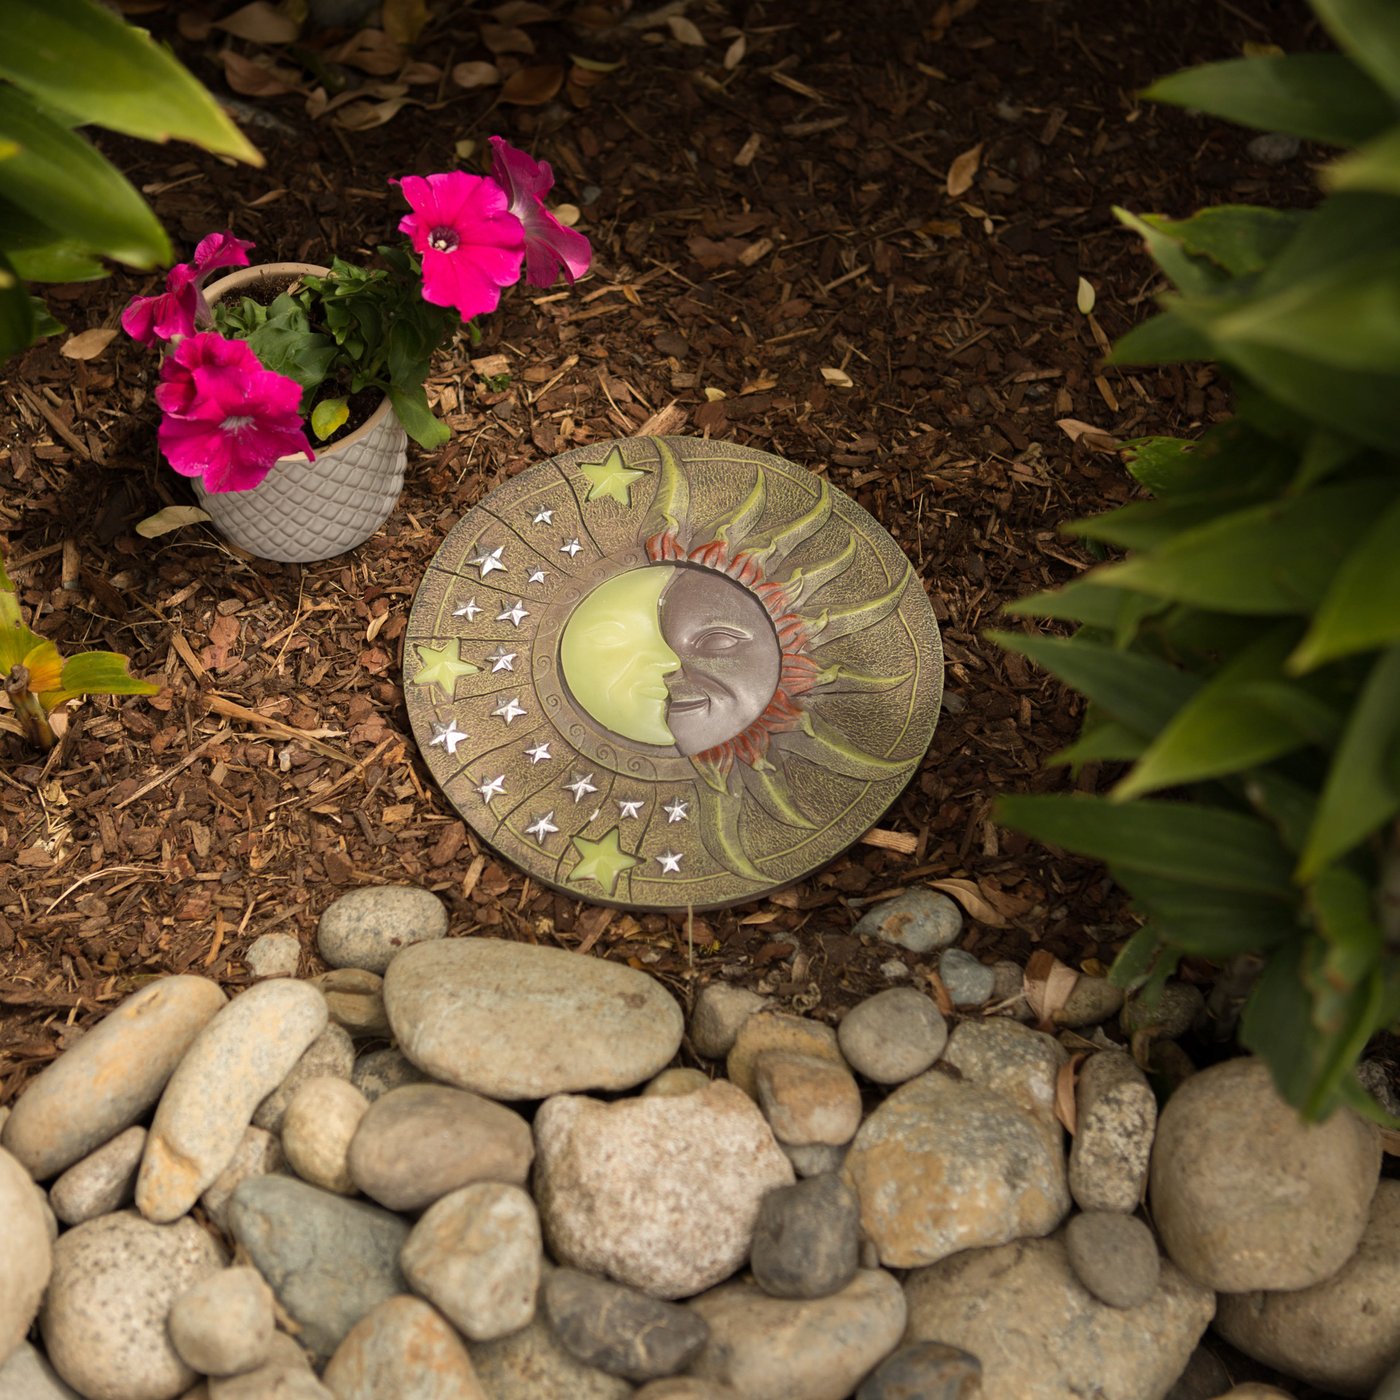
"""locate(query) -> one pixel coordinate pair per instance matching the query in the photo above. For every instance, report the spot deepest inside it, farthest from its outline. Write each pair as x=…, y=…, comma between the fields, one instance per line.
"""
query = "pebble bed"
x=467, y=1169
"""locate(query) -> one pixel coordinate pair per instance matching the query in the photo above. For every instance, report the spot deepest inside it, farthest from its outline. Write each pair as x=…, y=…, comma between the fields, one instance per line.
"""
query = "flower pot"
x=303, y=511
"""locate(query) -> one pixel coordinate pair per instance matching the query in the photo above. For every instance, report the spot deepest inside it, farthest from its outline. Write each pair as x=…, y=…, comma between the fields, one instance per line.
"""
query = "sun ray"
x=772, y=548
x=771, y=794
x=801, y=584
x=736, y=525
x=830, y=626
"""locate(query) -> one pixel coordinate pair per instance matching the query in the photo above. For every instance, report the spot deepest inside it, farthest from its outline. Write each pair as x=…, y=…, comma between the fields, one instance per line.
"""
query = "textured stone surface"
x=925, y=1371
x=108, y=1079
x=273, y=955
x=26, y=1257
x=381, y=1070
x=806, y=1241
x=944, y=1165
x=921, y=920
x=1173, y=1015
x=1342, y=1334
x=1016, y=1061
x=807, y=1101
x=814, y=1160
x=223, y=1325
x=328, y=1260
x=103, y=1321
x=1116, y=1118
x=330, y=1055
x=1114, y=1256
x=1246, y=1195
x=233, y=1064
x=819, y=1348
x=366, y=928
x=258, y=1154
x=1091, y=1000
x=893, y=1035
x=1040, y=1335
x=672, y=1082
x=102, y=1182
x=26, y=1375
x=684, y=1388
x=659, y=1193
x=403, y=1349
x=317, y=1128
x=532, y=1363
x=968, y=981
x=417, y=1143
x=720, y=1010
x=285, y=1375
x=516, y=1021
x=355, y=1000
x=766, y=1031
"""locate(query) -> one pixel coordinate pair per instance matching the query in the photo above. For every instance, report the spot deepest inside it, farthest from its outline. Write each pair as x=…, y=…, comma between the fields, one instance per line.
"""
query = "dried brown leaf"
x=522, y=12
x=419, y=73
x=1047, y=983
x=734, y=54
x=533, y=87
x=365, y=116
x=685, y=31
x=88, y=345
x=1065, y=1082
x=171, y=518
x=973, y=899
x=506, y=38
x=260, y=23
x=250, y=78
x=963, y=171
x=475, y=74
x=371, y=51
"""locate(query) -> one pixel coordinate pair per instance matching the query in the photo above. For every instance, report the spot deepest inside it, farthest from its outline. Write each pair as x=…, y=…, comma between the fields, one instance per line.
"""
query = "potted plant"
x=288, y=390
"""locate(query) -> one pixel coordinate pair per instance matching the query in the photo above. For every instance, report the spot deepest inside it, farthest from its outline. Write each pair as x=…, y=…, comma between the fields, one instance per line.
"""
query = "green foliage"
x=65, y=64
x=1243, y=659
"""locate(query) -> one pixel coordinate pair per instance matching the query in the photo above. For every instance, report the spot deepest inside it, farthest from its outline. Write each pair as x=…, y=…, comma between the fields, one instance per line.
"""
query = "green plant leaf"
x=1319, y=96
x=1374, y=166
x=1325, y=454
x=80, y=57
x=327, y=416
x=1171, y=466
x=1361, y=609
x=17, y=329
x=60, y=180
x=1137, y=957
x=1164, y=339
x=1342, y=228
x=1369, y=32
x=1358, y=795
x=1187, y=272
x=1109, y=742
x=1241, y=239
x=419, y=421
x=60, y=262
x=1184, y=841
x=96, y=673
x=1080, y=601
x=1146, y=524
x=1210, y=923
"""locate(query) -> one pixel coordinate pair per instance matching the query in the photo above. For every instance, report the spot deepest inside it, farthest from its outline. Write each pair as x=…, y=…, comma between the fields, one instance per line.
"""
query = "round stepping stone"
x=367, y=927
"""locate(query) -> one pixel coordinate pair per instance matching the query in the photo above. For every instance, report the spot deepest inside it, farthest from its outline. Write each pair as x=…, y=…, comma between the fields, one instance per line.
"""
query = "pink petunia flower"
x=549, y=245
x=470, y=243
x=225, y=417
x=181, y=308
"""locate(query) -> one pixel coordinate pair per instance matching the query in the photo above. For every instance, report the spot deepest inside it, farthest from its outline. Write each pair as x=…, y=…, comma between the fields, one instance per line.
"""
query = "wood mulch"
x=779, y=262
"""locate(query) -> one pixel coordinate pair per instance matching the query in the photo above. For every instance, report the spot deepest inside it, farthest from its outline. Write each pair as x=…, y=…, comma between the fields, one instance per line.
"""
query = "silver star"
x=448, y=735
x=509, y=709
x=468, y=610
x=501, y=659
x=630, y=809
x=570, y=547
x=514, y=615
x=486, y=562
x=544, y=517
x=676, y=810
x=541, y=827
x=580, y=785
x=670, y=862
x=535, y=576
x=539, y=754
x=490, y=789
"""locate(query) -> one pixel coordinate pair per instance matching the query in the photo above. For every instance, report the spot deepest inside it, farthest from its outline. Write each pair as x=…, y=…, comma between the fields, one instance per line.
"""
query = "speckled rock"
x=806, y=1242
x=330, y=1056
x=1091, y=1001
x=103, y=1321
x=920, y=919
x=285, y=1375
x=1116, y=1118
x=273, y=955
x=807, y=1100
x=381, y=1070
x=1114, y=1256
x=925, y=1371
x=767, y=1031
x=223, y=1325
x=26, y=1258
x=355, y=1000
x=233, y=1064
x=1342, y=1334
x=403, y=1349
x=366, y=928
x=893, y=1035
x=108, y=1079
x=659, y=1193
x=1064, y=1341
x=720, y=1010
x=967, y=980
x=1173, y=1015
x=1246, y=1195
x=1274, y=147
x=671, y=1083
x=317, y=1128
x=815, y=1159
x=532, y=1363
x=1021, y=1063
x=258, y=1154
x=26, y=1375
x=516, y=1021
x=102, y=1182
x=818, y=1348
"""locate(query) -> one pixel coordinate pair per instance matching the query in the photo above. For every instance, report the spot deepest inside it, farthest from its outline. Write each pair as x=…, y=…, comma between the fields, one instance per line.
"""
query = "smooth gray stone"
x=967, y=981
x=1114, y=1256
x=1173, y=1014
x=355, y=1000
x=807, y=1239
x=285, y=1375
x=920, y=919
x=1274, y=147
x=26, y=1375
x=531, y=1365
x=621, y=1330
x=381, y=1070
x=925, y=1371
x=893, y=1035
x=368, y=927
x=102, y=1182
x=720, y=1010
x=330, y=1056
x=258, y=1154
x=273, y=955
x=328, y=1260
x=223, y=1325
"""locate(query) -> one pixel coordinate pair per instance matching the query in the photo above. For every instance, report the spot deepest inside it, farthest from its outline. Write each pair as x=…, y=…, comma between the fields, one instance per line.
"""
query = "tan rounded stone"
x=402, y=1348
x=671, y=1083
x=776, y=1030
x=317, y=1128
x=1116, y=1117
x=355, y=1000
x=26, y=1256
x=807, y=1101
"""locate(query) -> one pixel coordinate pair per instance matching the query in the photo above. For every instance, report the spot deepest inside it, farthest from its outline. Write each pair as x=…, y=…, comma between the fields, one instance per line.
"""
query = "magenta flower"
x=549, y=245
x=181, y=307
x=470, y=243
x=225, y=417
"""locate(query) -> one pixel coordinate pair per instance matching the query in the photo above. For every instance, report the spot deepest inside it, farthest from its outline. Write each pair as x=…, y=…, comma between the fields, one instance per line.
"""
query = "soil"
x=777, y=261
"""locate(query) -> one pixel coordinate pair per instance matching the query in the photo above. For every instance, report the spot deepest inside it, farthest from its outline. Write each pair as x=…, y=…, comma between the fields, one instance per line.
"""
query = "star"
x=442, y=666
x=676, y=810
x=544, y=517
x=579, y=786
x=490, y=789
x=631, y=808
x=610, y=477
x=514, y=615
x=670, y=862
x=539, y=754
x=501, y=659
x=541, y=827
x=468, y=610
x=535, y=576
x=509, y=709
x=601, y=861
x=570, y=547
x=448, y=735
x=486, y=562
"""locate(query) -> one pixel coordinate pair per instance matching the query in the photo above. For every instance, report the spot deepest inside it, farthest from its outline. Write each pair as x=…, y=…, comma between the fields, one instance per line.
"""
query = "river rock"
x=515, y=1021
x=1114, y=1256
x=26, y=1375
x=1091, y=1001
x=103, y=1320
x=27, y=1256
x=417, y=1143
x=223, y=1325
x=769, y=1031
x=1116, y=1117
x=924, y=1371
x=258, y=1154
x=684, y=1388
x=328, y=1260
x=102, y=1182
x=1170, y=1016
x=331, y=1055
x=475, y=1255
x=381, y=1070
x=945, y=1165
x=317, y=1129
x=920, y=919
x=817, y=1348
x=114, y=1073
x=807, y=1100
x=806, y=1241
x=355, y=1001
x=285, y=1375
x=720, y=1010
x=967, y=981
x=1041, y=1335
x=815, y=1159
x=1246, y=1195
x=402, y=1349
x=234, y=1063
x=531, y=1362
x=671, y=1083
x=658, y=1193
x=273, y=955
x=893, y=1035
x=367, y=928
x=1020, y=1063
x=1342, y=1334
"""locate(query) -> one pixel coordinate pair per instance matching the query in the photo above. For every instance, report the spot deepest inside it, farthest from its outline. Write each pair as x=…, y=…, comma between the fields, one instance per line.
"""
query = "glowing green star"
x=442, y=666
x=601, y=861
x=611, y=477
